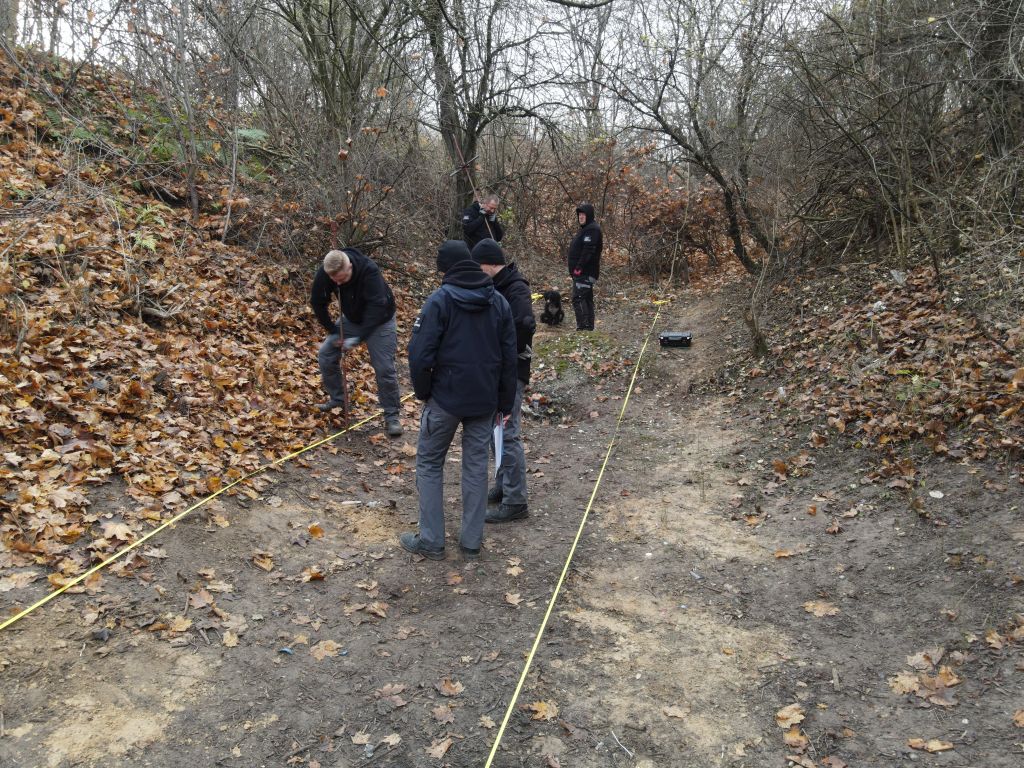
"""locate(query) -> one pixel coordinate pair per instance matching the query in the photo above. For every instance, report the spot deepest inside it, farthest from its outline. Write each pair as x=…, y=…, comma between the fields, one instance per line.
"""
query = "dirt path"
x=285, y=626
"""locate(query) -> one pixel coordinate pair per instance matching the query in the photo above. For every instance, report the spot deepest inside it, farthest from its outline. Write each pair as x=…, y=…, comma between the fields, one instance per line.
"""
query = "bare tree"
x=692, y=73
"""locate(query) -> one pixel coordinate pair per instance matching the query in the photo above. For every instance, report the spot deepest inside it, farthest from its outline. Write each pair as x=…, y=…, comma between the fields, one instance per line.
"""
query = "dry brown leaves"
x=903, y=365
x=133, y=344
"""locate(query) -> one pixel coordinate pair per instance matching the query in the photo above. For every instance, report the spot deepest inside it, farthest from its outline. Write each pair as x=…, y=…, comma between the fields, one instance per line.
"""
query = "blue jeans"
x=382, y=343
x=437, y=429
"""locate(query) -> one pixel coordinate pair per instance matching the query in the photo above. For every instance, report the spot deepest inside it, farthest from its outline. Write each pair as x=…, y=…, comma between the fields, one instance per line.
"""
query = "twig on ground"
x=620, y=744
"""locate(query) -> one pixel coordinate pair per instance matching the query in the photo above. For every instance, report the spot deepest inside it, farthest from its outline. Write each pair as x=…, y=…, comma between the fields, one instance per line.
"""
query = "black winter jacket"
x=366, y=299
x=513, y=285
x=585, y=248
x=463, y=347
x=475, y=226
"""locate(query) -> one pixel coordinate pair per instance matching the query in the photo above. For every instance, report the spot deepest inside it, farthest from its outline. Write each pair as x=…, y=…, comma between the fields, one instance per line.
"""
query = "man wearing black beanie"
x=462, y=361
x=510, y=483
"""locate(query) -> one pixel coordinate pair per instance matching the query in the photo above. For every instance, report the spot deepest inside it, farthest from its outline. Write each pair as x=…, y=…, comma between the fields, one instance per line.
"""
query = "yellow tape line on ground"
x=79, y=579
x=575, y=542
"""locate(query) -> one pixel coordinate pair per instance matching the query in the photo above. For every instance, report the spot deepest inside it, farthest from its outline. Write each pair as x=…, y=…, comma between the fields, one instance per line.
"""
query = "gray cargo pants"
x=511, y=475
x=382, y=343
x=437, y=429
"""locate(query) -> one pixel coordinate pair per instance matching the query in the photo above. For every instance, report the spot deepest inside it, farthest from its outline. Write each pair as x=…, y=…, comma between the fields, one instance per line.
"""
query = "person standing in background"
x=584, y=260
x=480, y=220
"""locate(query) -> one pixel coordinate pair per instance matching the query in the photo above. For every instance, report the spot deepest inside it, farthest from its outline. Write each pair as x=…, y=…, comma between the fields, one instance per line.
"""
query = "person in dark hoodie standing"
x=510, y=483
x=462, y=360
x=480, y=220
x=585, y=266
x=367, y=315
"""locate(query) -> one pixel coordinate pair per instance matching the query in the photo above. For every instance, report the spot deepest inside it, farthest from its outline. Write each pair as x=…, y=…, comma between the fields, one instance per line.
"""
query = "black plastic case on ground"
x=675, y=338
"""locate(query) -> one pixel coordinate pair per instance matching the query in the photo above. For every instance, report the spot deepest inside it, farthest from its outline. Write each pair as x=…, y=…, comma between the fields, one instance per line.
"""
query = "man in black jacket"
x=510, y=482
x=480, y=220
x=367, y=315
x=462, y=360
x=585, y=266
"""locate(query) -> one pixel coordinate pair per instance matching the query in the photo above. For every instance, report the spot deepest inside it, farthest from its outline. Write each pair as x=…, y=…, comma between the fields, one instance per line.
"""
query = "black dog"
x=552, y=314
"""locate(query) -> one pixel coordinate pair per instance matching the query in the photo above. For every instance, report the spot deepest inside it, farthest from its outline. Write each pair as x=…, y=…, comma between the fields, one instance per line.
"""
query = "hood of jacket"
x=510, y=274
x=468, y=286
x=587, y=210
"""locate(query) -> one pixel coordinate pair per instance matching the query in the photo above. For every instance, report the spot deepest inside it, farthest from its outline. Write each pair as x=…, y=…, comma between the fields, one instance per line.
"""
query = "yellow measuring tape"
x=125, y=550
x=575, y=542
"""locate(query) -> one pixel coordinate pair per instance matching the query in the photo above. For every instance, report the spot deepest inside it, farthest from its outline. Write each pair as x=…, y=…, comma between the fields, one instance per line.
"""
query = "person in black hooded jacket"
x=510, y=480
x=480, y=220
x=584, y=260
x=367, y=315
x=462, y=361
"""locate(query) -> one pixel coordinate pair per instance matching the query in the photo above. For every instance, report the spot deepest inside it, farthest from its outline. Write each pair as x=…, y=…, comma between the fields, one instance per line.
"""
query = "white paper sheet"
x=499, y=441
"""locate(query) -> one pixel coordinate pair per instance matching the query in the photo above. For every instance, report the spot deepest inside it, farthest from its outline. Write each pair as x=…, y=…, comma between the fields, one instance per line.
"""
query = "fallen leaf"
x=514, y=570
x=831, y=761
x=179, y=624
x=543, y=710
x=263, y=560
x=316, y=531
x=486, y=722
x=312, y=573
x=679, y=712
x=932, y=745
x=443, y=714
x=1018, y=718
x=513, y=598
x=378, y=608
x=439, y=748
x=453, y=578
x=392, y=740
x=820, y=608
x=905, y=682
x=449, y=687
x=229, y=639
x=323, y=649
x=795, y=739
x=926, y=659
x=802, y=760
x=789, y=715
x=391, y=689
x=781, y=553
x=361, y=738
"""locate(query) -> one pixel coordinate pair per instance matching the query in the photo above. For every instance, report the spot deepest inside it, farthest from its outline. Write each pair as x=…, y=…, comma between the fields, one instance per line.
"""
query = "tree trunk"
x=9, y=21
x=459, y=143
x=736, y=232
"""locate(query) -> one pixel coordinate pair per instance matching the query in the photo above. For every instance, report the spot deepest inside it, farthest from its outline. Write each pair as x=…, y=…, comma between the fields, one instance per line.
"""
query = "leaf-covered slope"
x=132, y=344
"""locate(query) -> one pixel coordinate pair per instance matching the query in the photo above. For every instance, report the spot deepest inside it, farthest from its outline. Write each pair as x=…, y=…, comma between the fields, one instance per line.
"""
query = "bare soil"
x=682, y=629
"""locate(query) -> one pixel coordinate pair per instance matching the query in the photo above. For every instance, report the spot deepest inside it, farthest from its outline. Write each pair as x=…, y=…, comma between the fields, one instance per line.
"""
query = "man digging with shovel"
x=367, y=316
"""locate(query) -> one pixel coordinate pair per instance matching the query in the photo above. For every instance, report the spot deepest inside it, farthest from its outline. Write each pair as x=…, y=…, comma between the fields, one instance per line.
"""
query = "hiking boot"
x=410, y=542
x=506, y=513
x=393, y=427
x=330, y=405
x=494, y=495
x=468, y=553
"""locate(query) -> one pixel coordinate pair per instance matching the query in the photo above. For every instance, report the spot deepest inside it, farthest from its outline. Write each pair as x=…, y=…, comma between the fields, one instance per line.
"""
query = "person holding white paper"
x=509, y=488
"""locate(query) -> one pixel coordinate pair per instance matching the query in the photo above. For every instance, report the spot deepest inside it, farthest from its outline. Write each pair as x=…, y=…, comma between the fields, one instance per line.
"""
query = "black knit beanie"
x=450, y=253
x=488, y=252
